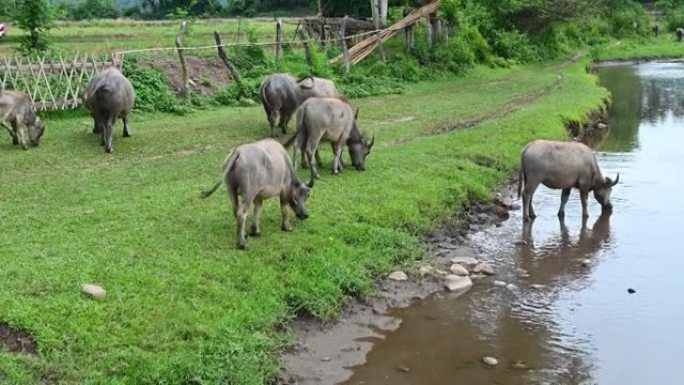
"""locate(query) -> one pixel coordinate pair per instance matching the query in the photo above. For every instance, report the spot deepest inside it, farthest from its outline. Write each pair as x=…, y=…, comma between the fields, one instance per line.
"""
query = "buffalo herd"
x=254, y=172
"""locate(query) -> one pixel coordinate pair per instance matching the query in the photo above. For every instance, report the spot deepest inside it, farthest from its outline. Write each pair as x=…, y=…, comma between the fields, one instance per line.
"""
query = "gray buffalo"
x=109, y=96
x=680, y=33
x=334, y=120
x=562, y=165
x=258, y=171
x=281, y=95
x=19, y=118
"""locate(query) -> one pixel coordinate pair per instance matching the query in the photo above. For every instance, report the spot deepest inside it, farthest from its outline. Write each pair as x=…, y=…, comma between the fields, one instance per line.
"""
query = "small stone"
x=586, y=263
x=467, y=262
x=521, y=243
x=514, y=207
x=491, y=361
x=459, y=270
x=404, y=369
x=524, y=275
x=521, y=271
x=499, y=283
x=441, y=272
x=601, y=126
x=94, y=291
x=511, y=286
x=484, y=268
x=538, y=286
x=326, y=359
x=456, y=283
x=425, y=270
x=631, y=291
x=246, y=102
x=398, y=276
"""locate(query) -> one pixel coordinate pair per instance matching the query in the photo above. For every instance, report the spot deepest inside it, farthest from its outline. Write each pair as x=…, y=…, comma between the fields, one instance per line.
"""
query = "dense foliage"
x=34, y=17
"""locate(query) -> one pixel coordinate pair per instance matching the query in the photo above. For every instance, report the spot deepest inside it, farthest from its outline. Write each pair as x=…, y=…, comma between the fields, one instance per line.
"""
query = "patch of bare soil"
x=16, y=341
x=206, y=75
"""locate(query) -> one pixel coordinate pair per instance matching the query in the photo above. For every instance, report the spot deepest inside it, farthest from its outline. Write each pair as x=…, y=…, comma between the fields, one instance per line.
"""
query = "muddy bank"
x=325, y=352
x=16, y=341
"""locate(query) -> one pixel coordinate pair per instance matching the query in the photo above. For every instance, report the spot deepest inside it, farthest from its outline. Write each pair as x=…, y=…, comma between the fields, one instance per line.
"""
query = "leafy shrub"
x=675, y=19
x=151, y=89
x=514, y=45
x=630, y=21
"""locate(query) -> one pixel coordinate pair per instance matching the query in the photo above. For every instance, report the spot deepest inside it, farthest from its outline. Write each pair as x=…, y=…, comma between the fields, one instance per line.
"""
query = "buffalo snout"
x=302, y=215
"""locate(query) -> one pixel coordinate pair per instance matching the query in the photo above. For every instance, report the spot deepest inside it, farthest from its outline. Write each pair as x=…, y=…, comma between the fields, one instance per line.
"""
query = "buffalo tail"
x=521, y=175
x=227, y=167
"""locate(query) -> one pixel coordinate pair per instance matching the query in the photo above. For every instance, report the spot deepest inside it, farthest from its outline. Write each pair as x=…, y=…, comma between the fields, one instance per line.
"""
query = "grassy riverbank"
x=183, y=305
x=665, y=46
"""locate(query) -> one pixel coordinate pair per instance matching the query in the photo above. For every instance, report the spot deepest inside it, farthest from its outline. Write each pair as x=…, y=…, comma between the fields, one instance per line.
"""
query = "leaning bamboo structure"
x=364, y=48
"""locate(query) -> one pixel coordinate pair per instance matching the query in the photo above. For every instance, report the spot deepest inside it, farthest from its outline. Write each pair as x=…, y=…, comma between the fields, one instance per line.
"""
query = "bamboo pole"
x=279, y=42
x=307, y=48
x=345, y=48
x=185, y=91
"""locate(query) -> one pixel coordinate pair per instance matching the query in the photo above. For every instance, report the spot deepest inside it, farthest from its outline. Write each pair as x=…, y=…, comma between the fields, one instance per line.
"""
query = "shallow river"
x=582, y=326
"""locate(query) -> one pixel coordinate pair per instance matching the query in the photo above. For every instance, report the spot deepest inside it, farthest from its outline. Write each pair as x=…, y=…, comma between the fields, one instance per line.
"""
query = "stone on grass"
x=456, y=283
x=94, y=291
x=425, y=270
x=491, y=361
x=398, y=276
x=459, y=270
x=483, y=268
x=467, y=262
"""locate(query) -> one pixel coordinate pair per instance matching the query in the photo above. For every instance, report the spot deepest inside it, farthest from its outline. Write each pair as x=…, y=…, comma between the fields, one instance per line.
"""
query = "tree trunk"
x=383, y=12
x=224, y=58
x=307, y=48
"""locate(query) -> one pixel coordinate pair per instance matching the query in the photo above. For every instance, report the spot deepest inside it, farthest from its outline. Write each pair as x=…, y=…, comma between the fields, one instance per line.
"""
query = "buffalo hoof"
x=15, y=141
x=24, y=147
x=286, y=227
x=109, y=150
x=126, y=135
x=242, y=245
x=254, y=233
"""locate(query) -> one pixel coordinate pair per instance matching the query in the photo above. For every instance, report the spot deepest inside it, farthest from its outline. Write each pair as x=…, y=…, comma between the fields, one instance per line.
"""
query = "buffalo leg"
x=127, y=129
x=254, y=229
x=312, y=165
x=528, y=193
x=96, y=128
x=283, y=210
x=108, y=135
x=565, y=195
x=319, y=162
x=21, y=132
x=337, y=167
x=584, y=196
x=241, y=217
x=272, y=115
x=284, y=120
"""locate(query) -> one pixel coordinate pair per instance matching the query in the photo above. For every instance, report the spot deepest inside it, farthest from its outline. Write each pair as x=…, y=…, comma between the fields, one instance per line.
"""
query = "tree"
x=34, y=17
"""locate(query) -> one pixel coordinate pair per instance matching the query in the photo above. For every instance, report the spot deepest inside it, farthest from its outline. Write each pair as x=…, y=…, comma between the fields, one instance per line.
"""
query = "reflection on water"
x=572, y=321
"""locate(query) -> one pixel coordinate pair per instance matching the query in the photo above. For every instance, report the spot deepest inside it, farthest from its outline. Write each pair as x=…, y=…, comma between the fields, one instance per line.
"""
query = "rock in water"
x=586, y=263
x=398, y=276
x=511, y=287
x=467, y=262
x=94, y=291
x=631, y=291
x=499, y=283
x=484, y=268
x=459, y=270
x=456, y=283
x=491, y=361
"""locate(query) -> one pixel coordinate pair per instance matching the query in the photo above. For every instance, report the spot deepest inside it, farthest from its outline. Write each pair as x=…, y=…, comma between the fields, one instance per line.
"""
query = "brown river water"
x=571, y=322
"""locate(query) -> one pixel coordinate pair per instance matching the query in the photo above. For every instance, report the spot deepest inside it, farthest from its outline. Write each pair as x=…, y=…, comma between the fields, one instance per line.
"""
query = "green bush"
x=514, y=45
x=151, y=89
x=675, y=19
x=630, y=22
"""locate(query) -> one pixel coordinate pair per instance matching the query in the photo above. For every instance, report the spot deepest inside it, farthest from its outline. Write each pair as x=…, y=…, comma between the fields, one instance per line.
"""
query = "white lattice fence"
x=53, y=84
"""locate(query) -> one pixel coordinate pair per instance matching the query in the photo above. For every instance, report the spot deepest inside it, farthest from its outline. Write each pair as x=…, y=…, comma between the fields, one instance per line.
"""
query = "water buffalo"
x=562, y=165
x=680, y=33
x=334, y=120
x=281, y=94
x=258, y=171
x=19, y=118
x=109, y=96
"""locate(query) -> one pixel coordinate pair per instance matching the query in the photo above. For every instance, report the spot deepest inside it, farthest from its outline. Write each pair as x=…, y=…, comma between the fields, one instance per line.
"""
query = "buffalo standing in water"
x=281, y=95
x=109, y=96
x=562, y=165
x=258, y=171
x=334, y=120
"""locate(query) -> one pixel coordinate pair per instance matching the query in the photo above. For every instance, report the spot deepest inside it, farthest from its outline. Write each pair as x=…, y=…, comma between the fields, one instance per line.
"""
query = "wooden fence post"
x=409, y=31
x=375, y=5
x=428, y=28
x=185, y=92
x=279, y=42
x=345, y=47
x=307, y=48
x=224, y=58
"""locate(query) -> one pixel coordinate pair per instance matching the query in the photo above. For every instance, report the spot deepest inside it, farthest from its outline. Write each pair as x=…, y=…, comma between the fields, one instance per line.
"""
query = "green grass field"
x=183, y=305
x=107, y=36
x=665, y=46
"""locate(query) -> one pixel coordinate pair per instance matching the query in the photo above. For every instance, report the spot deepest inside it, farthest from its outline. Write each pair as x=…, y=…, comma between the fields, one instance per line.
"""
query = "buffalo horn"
x=307, y=77
x=370, y=146
x=617, y=179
